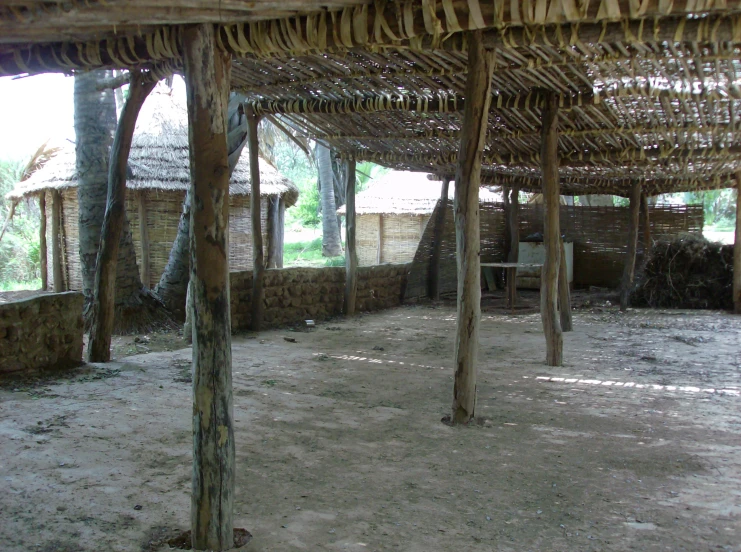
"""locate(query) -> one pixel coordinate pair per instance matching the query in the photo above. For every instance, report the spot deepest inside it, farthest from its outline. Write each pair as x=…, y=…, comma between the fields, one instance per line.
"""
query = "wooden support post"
x=42, y=242
x=272, y=231
x=551, y=233
x=207, y=72
x=56, y=241
x=104, y=291
x=379, y=253
x=144, y=240
x=513, y=255
x=467, y=183
x=647, y=243
x=258, y=261
x=630, y=259
x=564, y=293
x=437, y=242
x=280, y=233
x=737, y=251
x=351, y=255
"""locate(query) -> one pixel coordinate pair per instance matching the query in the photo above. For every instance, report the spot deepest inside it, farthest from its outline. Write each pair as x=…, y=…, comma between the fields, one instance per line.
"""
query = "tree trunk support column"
x=207, y=72
x=351, y=255
x=513, y=255
x=258, y=261
x=564, y=293
x=551, y=233
x=630, y=259
x=647, y=242
x=42, y=242
x=56, y=241
x=437, y=242
x=467, y=182
x=737, y=251
x=104, y=291
x=144, y=239
x=273, y=231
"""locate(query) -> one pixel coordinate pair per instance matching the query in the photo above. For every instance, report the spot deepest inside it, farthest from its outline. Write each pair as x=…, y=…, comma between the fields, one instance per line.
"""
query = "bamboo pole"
x=564, y=293
x=737, y=251
x=258, y=262
x=437, y=242
x=351, y=256
x=144, y=239
x=551, y=235
x=630, y=259
x=42, y=242
x=56, y=241
x=207, y=72
x=104, y=290
x=467, y=182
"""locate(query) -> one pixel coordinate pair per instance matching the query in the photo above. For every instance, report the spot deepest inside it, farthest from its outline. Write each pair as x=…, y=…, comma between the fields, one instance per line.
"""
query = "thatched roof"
x=406, y=193
x=649, y=90
x=159, y=158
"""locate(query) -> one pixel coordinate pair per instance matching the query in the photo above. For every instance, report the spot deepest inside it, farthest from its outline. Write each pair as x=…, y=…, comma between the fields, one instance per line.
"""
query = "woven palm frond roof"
x=649, y=89
x=159, y=158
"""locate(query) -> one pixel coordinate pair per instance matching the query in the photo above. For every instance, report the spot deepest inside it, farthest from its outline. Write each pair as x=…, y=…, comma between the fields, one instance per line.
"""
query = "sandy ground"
x=632, y=445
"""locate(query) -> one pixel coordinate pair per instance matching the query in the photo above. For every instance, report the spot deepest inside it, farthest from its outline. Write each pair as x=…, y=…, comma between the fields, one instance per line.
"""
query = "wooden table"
x=511, y=269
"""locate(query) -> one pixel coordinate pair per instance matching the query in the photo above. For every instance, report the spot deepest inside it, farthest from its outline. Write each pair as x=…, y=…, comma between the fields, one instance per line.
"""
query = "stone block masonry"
x=41, y=333
x=293, y=295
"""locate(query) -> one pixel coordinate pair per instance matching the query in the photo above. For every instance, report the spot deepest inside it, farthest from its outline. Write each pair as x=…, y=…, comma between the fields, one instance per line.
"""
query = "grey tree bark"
x=331, y=240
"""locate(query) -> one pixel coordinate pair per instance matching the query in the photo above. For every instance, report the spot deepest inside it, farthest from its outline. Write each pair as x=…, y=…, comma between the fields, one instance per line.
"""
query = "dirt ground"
x=634, y=444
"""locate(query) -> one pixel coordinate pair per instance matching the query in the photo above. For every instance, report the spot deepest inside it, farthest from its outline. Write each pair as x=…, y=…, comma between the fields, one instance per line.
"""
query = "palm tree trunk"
x=331, y=241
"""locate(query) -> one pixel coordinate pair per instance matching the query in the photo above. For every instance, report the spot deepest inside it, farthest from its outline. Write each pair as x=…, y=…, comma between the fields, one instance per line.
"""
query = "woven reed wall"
x=599, y=235
x=399, y=237
x=163, y=209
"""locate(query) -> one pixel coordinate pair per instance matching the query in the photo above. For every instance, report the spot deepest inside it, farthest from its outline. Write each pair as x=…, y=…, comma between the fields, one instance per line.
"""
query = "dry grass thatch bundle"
x=686, y=272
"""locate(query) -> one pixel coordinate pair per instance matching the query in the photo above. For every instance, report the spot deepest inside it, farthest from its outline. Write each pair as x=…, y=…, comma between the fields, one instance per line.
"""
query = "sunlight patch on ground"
x=730, y=391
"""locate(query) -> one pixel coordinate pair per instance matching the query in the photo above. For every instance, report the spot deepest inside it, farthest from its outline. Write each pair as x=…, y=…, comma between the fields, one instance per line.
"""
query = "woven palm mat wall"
x=599, y=235
x=398, y=236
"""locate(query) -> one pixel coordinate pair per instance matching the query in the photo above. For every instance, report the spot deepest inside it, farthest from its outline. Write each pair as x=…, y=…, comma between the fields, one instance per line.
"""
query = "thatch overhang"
x=159, y=158
x=649, y=90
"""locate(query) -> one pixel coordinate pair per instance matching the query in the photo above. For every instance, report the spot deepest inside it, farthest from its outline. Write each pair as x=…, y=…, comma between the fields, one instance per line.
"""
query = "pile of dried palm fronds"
x=686, y=272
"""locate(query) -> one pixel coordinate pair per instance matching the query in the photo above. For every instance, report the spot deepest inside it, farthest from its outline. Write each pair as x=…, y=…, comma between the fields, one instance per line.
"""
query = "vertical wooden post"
x=144, y=240
x=737, y=251
x=564, y=294
x=104, y=289
x=433, y=282
x=272, y=231
x=630, y=259
x=56, y=241
x=351, y=255
x=42, y=242
x=207, y=72
x=647, y=243
x=280, y=233
x=467, y=183
x=379, y=254
x=513, y=255
x=258, y=262
x=551, y=233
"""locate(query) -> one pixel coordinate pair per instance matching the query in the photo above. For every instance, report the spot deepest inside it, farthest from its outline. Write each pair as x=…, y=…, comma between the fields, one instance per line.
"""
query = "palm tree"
x=331, y=240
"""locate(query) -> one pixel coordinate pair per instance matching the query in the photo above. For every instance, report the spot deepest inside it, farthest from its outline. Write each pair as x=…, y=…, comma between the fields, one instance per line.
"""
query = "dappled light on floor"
x=731, y=392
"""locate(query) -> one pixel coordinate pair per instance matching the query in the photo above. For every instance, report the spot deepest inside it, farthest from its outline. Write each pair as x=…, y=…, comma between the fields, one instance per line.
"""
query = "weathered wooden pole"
x=438, y=231
x=647, y=243
x=630, y=259
x=513, y=251
x=207, y=72
x=280, y=233
x=144, y=239
x=104, y=291
x=351, y=255
x=737, y=251
x=551, y=233
x=42, y=242
x=379, y=252
x=467, y=182
x=564, y=293
x=273, y=230
x=56, y=241
x=258, y=262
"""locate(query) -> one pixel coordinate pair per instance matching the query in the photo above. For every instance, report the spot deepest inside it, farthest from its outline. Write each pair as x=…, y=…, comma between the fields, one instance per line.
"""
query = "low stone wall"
x=293, y=295
x=41, y=332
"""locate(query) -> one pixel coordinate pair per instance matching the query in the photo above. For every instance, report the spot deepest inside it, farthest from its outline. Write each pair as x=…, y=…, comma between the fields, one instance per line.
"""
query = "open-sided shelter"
x=158, y=177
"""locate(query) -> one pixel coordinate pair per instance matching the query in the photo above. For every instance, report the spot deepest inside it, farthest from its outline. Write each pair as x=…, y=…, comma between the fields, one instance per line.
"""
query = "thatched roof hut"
x=392, y=215
x=159, y=175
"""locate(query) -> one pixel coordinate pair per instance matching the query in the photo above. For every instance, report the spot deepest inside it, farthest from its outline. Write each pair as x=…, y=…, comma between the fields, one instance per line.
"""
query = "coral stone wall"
x=293, y=295
x=41, y=332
